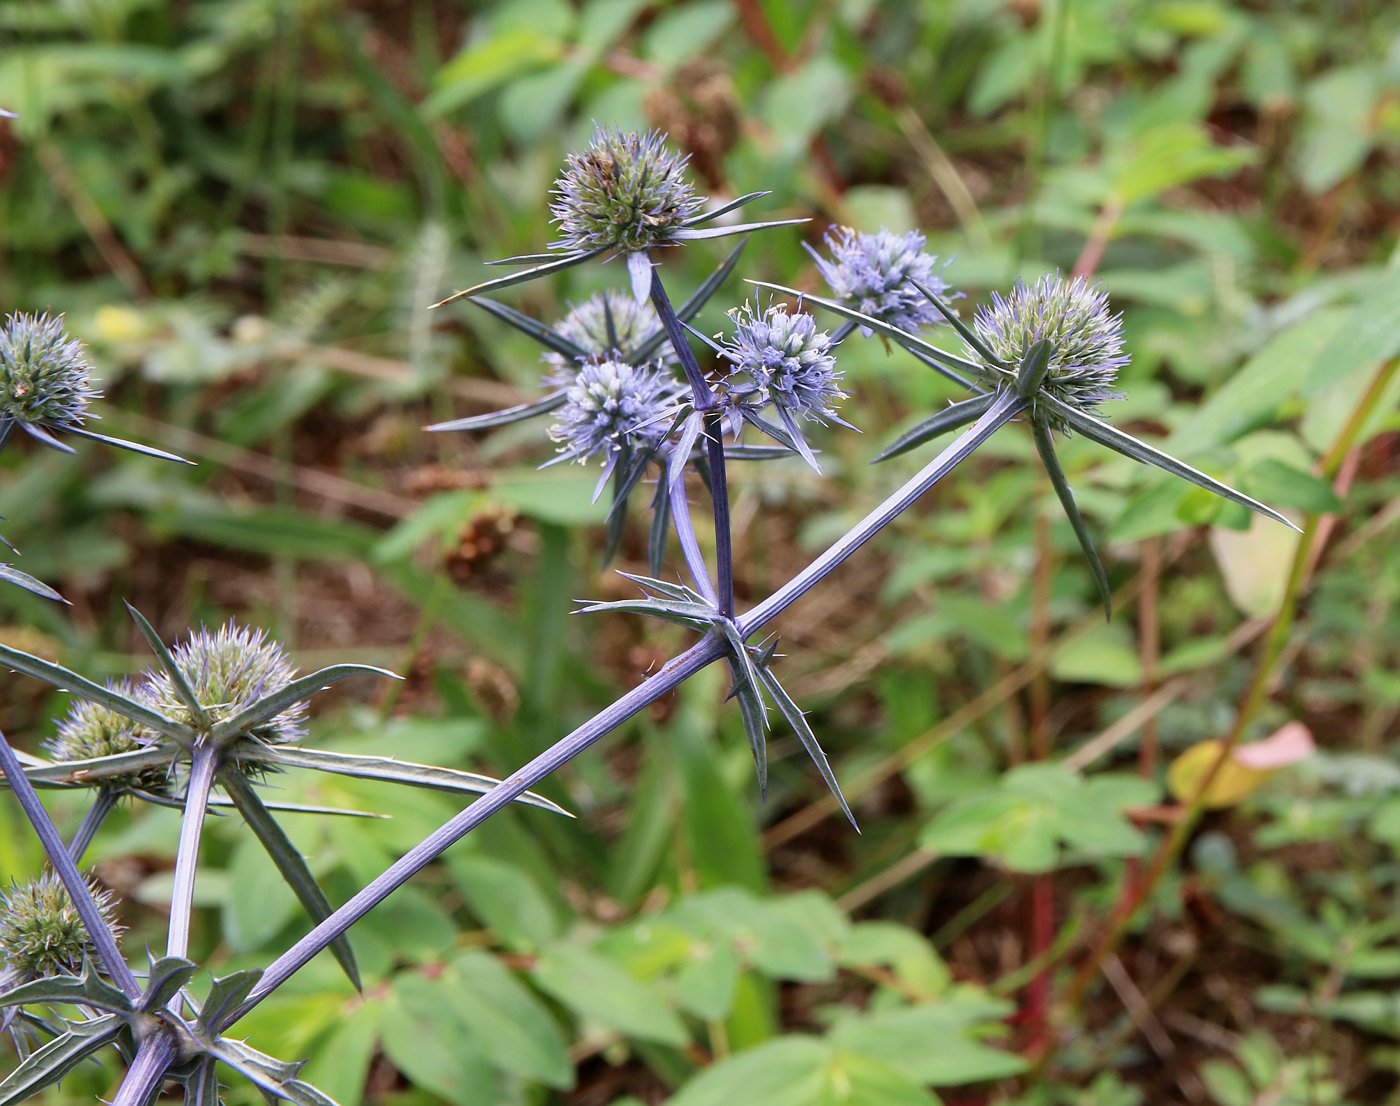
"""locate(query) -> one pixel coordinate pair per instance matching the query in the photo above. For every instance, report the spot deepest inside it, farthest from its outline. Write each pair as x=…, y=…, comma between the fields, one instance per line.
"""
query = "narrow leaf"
x=965, y=332
x=28, y=583
x=263, y=1072
x=289, y=862
x=648, y=346
x=130, y=447
x=798, y=721
x=1046, y=446
x=225, y=994
x=519, y=413
x=163, y=982
x=39, y=434
x=725, y=208
x=389, y=770
x=167, y=662
x=295, y=692
x=74, y=773
x=940, y=360
x=950, y=418
x=566, y=261
x=690, y=234
x=546, y=336
x=46, y=1066
x=1129, y=446
x=88, y=989
x=83, y=688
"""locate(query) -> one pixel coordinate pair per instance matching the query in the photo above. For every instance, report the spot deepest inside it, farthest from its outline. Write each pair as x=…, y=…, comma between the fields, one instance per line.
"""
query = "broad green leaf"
x=708, y=981
x=1254, y=564
x=506, y=900
x=934, y=1042
x=340, y=1063
x=490, y=63
x=430, y=1049
x=1104, y=655
x=506, y=1020
x=598, y=990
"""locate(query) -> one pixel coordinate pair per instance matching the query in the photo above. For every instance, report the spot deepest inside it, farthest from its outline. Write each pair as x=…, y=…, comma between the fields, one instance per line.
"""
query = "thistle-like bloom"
x=40, y=931
x=783, y=360
x=1085, y=337
x=873, y=274
x=627, y=191
x=227, y=670
x=605, y=326
x=45, y=377
x=613, y=406
x=91, y=730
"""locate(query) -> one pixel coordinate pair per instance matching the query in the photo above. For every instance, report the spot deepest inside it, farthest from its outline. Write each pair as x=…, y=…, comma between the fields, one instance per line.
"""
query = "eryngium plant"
x=224, y=709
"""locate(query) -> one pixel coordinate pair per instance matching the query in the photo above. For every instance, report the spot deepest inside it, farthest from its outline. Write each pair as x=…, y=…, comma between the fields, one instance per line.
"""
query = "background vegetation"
x=244, y=206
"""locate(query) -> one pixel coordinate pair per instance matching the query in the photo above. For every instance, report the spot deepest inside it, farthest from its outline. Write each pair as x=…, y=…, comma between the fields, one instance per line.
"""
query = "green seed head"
x=45, y=378
x=230, y=669
x=40, y=931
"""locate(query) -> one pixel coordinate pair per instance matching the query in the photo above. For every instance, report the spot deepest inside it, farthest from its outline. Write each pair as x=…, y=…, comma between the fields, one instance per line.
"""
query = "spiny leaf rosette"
x=873, y=273
x=45, y=378
x=1085, y=337
x=41, y=933
x=627, y=191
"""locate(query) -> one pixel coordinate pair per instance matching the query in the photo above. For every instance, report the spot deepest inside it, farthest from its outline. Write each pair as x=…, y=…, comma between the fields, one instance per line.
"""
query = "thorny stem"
x=675, y=672
x=685, y=534
x=102, y=805
x=202, y=766
x=1174, y=843
x=143, y=1079
x=705, y=403
x=63, y=864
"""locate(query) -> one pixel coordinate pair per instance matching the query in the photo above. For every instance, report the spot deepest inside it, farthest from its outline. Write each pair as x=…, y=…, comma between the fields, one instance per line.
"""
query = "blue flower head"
x=605, y=325
x=872, y=273
x=783, y=360
x=612, y=406
x=45, y=378
x=627, y=191
x=1074, y=317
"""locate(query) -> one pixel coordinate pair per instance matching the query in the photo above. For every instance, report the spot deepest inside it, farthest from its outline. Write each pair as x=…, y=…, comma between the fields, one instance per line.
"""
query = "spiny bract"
x=1074, y=317
x=45, y=377
x=228, y=670
x=41, y=933
x=627, y=191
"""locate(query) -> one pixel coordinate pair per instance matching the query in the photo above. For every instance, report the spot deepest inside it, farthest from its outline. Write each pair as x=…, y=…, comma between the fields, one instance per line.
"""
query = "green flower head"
x=45, y=377
x=41, y=933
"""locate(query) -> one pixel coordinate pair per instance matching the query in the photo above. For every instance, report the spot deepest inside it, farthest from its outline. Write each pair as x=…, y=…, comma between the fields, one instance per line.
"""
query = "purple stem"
x=143, y=1079
x=1005, y=408
x=103, y=803
x=685, y=531
x=675, y=672
x=202, y=764
x=705, y=403
x=57, y=852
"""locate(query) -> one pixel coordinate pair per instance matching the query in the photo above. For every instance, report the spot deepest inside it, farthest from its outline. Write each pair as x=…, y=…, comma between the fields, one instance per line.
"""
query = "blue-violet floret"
x=606, y=325
x=872, y=273
x=612, y=406
x=45, y=377
x=784, y=360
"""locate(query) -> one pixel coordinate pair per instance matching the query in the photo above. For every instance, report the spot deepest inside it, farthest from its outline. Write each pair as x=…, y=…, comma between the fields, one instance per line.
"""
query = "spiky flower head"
x=872, y=273
x=91, y=730
x=626, y=191
x=229, y=669
x=1074, y=317
x=613, y=405
x=41, y=933
x=45, y=377
x=784, y=360
x=605, y=325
